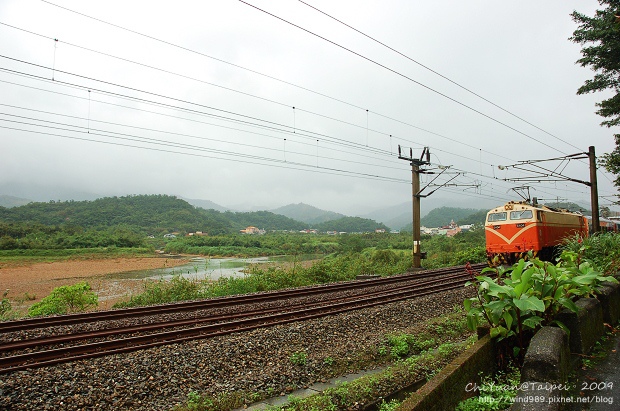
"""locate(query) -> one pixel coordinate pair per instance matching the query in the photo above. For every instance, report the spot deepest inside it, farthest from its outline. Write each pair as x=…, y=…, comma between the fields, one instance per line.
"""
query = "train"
x=516, y=228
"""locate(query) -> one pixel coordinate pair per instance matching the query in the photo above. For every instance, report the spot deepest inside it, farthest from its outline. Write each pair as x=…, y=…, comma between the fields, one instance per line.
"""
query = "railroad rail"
x=47, y=351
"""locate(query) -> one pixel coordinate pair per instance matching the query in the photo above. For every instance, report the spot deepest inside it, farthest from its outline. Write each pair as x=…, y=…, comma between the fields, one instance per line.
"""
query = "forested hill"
x=351, y=225
x=149, y=212
x=444, y=215
x=155, y=214
x=307, y=213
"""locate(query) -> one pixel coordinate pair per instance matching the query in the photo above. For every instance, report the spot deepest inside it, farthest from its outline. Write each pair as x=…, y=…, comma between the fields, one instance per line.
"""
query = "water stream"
x=199, y=268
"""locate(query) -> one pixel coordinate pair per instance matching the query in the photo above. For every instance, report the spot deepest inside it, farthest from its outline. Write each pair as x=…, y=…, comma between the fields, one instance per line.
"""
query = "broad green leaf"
x=508, y=319
x=568, y=303
x=532, y=322
x=531, y=303
x=517, y=270
x=562, y=326
x=525, y=282
x=496, y=309
x=472, y=322
x=585, y=279
x=498, y=331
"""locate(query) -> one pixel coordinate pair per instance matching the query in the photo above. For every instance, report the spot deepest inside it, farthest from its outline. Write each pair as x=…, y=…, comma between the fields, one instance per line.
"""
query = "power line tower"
x=424, y=160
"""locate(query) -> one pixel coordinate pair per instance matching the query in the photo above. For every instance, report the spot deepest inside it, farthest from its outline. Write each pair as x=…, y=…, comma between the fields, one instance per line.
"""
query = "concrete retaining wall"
x=456, y=381
x=547, y=364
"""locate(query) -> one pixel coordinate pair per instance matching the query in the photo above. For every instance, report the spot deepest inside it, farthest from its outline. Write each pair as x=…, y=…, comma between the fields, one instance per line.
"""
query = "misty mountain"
x=307, y=213
x=206, y=204
x=10, y=201
x=36, y=192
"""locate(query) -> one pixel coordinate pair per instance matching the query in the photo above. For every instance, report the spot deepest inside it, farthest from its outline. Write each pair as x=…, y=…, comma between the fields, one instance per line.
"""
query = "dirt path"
x=38, y=280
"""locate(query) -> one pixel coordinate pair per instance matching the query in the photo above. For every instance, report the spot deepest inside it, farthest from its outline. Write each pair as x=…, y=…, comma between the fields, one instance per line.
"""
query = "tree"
x=600, y=40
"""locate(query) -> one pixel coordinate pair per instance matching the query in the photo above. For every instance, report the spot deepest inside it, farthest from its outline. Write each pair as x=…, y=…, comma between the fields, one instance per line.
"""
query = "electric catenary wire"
x=267, y=99
x=438, y=74
x=404, y=76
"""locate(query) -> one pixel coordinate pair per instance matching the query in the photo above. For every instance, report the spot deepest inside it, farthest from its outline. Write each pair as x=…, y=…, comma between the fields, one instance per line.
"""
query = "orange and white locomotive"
x=514, y=229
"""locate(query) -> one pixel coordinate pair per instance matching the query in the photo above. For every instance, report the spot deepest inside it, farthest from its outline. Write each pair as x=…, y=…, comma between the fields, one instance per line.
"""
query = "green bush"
x=530, y=294
x=65, y=299
x=162, y=291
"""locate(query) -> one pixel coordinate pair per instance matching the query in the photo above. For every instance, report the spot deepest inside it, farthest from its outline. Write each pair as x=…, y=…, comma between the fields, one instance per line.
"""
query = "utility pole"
x=540, y=174
x=415, y=197
x=596, y=224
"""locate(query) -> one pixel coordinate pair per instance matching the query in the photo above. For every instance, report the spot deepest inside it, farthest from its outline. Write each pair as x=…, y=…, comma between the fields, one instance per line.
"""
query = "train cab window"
x=496, y=217
x=521, y=215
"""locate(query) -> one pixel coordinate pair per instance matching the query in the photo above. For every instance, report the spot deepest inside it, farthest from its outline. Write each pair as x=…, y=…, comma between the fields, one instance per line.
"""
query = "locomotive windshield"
x=521, y=215
x=496, y=217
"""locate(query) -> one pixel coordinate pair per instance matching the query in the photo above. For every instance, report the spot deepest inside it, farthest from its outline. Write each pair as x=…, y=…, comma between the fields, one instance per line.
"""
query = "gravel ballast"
x=258, y=361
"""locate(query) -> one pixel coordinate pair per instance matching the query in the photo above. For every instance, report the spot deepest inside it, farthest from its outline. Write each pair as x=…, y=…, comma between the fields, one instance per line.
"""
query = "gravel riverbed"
x=255, y=361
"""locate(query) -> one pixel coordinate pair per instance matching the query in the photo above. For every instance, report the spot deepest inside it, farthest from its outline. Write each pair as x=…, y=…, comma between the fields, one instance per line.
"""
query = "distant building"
x=449, y=230
x=380, y=230
x=197, y=233
x=252, y=230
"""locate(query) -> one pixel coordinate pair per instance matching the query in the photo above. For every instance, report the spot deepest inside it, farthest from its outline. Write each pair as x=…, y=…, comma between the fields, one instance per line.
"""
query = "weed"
x=389, y=406
x=5, y=306
x=299, y=358
x=495, y=392
x=65, y=299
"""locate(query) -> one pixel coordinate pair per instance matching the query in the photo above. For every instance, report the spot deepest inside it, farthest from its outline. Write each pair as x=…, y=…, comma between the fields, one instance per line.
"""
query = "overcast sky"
x=221, y=101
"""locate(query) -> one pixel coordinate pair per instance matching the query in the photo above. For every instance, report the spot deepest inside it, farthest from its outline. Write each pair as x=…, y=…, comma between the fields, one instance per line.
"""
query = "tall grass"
x=603, y=249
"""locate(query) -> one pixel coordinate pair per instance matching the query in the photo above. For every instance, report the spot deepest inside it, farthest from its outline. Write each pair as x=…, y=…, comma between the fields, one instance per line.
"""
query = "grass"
x=495, y=392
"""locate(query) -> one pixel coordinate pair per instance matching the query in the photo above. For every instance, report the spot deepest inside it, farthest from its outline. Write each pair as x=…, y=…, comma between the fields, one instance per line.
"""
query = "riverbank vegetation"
x=377, y=254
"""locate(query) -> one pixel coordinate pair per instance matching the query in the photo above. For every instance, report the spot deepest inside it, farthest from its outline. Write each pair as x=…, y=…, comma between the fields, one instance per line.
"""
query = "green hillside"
x=307, y=213
x=265, y=220
x=148, y=212
x=156, y=214
x=351, y=225
x=444, y=215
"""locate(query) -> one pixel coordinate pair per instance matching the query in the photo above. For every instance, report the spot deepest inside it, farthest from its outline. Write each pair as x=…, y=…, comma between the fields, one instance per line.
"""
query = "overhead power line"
x=266, y=161
x=245, y=118
x=262, y=74
x=267, y=99
x=182, y=118
x=439, y=74
x=269, y=124
x=404, y=76
x=90, y=129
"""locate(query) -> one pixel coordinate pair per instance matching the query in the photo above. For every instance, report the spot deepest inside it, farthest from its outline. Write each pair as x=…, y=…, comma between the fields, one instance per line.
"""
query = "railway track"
x=245, y=316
